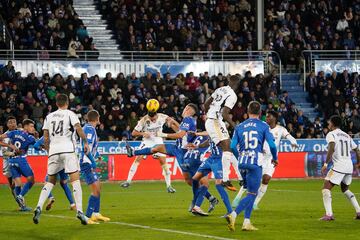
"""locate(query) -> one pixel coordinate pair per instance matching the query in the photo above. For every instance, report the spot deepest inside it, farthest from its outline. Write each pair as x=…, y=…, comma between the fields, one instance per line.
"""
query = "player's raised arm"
x=270, y=140
x=82, y=135
x=39, y=143
x=173, y=124
x=292, y=140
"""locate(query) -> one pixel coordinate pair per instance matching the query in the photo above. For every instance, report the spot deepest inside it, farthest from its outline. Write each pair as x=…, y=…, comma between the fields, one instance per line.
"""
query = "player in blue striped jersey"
x=88, y=167
x=63, y=177
x=247, y=146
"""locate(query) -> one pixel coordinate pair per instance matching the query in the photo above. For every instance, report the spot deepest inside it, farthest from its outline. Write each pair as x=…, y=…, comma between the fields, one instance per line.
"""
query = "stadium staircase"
x=97, y=29
x=291, y=83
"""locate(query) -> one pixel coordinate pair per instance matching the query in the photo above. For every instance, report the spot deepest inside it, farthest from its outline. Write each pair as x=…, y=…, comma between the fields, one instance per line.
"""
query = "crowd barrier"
x=305, y=161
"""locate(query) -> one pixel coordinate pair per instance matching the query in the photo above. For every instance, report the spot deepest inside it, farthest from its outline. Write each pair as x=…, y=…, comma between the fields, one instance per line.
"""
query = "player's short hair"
x=10, y=118
x=62, y=100
x=336, y=121
x=93, y=115
x=27, y=121
x=234, y=78
x=194, y=107
x=274, y=114
x=254, y=107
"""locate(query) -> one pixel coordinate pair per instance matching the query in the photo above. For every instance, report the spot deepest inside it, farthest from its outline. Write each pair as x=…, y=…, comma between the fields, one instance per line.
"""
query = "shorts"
x=90, y=176
x=337, y=177
x=217, y=130
x=253, y=176
x=6, y=168
x=267, y=167
x=62, y=176
x=190, y=165
x=178, y=153
x=63, y=161
x=150, y=144
x=212, y=164
x=20, y=167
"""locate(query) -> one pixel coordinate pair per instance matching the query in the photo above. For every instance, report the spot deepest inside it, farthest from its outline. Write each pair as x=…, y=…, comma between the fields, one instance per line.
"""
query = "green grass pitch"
x=289, y=210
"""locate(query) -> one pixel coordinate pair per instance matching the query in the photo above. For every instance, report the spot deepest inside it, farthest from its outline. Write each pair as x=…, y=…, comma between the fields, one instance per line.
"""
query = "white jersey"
x=342, y=155
x=5, y=149
x=222, y=97
x=279, y=132
x=146, y=125
x=60, y=125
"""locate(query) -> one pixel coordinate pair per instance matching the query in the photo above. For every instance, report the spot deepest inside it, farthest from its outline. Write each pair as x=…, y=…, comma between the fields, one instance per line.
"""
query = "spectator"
x=7, y=73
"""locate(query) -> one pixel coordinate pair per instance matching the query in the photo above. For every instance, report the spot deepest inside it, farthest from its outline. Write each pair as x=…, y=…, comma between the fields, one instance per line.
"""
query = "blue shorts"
x=178, y=153
x=20, y=167
x=190, y=165
x=90, y=176
x=253, y=176
x=212, y=164
x=60, y=176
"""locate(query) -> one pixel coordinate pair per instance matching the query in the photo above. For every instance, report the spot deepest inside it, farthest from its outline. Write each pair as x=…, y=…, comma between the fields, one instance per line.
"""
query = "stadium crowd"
x=46, y=25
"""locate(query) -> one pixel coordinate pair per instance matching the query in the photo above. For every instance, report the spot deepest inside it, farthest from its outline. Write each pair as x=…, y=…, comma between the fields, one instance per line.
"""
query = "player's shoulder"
x=162, y=116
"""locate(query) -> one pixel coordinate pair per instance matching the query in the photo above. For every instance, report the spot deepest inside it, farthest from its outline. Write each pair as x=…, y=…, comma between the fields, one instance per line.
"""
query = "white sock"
x=327, y=201
x=235, y=164
x=241, y=192
x=44, y=194
x=261, y=193
x=246, y=221
x=132, y=171
x=233, y=214
x=225, y=160
x=167, y=174
x=353, y=200
x=77, y=191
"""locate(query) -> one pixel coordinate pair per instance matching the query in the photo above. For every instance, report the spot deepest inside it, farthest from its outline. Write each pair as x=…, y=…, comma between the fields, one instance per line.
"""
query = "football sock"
x=44, y=194
x=77, y=194
x=327, y=201
x=67, y=191
x=167, y=174
x=200, y=195
x=225, y=160
x=91, y=206
x=26, y=188
x=208, y=195
x=144, y=151
x=224, y=197
x=241, y=192
x=132, y=171
x=17, y=190
x=349, y=195
x=261, y=193
x=244, y=203
x=195, y=187
x=97, y=205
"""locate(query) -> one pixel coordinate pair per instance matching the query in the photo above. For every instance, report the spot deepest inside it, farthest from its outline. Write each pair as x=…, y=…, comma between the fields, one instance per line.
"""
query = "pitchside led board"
x=305, y=161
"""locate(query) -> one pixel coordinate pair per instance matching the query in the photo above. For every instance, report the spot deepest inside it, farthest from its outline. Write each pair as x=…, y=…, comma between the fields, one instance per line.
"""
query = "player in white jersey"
x=279, y=132
x=218, y=108
x=147, y=128
x=59, y=127
x=340, y=146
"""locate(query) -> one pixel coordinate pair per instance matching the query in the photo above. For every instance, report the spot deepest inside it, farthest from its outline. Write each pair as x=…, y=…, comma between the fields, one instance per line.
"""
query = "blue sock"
x=195, y=187
x=97, y=205
x=26, y=188
x=224, y=197
x=207, y=195
x=200, y=195
x=67, y=192
x=249, y=209
x=244, y=203
x=91, y=206
x=144, y=151
x=17, y=190
x=50, y=195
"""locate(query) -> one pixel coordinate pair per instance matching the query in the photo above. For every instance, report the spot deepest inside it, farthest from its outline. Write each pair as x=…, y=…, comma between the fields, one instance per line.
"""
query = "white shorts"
x=267, y=167
x=150, y=144
x=336, y=177
x=6, y=168
x=217, y=130
x=67, y=161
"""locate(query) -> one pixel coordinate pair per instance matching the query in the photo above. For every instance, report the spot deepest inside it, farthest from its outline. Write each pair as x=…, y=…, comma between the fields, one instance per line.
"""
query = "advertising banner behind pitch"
x=329, y=66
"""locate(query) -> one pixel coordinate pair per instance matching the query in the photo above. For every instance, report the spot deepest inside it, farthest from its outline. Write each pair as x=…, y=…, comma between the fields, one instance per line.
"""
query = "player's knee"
x=31, y=179
x=63, y=183
x=344, y=187
x=266, y=180
x=218, y=181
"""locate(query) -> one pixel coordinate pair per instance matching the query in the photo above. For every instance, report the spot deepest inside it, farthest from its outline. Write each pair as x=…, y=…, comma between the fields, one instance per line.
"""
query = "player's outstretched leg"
x=352, y=199
x=132, y=172
x=167, y=174
x=199, y=198
x=44, y=194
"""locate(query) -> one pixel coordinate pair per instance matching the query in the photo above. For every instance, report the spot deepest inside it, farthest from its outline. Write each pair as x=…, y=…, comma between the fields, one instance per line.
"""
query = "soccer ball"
x=152, y=105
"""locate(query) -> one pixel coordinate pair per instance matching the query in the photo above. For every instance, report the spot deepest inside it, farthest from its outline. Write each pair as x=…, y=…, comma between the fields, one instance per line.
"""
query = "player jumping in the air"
x=340, y=145
x=59, y=127
x=184, y=136
x=247, y=146
x=63, y=177
x=147, y=128
x=20, y=140
x=88, y=167
x=268, y=168
x=217, y=108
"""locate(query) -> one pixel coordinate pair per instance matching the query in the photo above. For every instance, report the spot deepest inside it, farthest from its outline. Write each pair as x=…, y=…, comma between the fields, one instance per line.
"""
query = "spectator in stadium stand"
x=7, y=73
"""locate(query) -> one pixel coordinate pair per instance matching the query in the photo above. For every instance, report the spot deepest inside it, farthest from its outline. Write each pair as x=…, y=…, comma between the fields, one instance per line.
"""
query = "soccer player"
x=147, y=128
x=6, y=153
x=63, y=182
x=88, y=167
x=217, y=108
x=58, y=130
x=340, y=145
x=20, y=141
x=247, y=146
x=268, y=168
